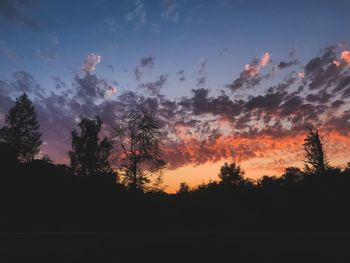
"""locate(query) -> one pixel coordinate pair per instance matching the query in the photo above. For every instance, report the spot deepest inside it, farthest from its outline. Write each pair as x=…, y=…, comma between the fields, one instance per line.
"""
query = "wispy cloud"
x=170, y=10
x=145, y=63
x=138, y=14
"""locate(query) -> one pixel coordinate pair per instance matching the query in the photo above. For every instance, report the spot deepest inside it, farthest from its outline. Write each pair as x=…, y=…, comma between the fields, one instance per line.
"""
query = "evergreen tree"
x=89, y=156
x=315, y=159
x=22, y=130
x=140, y=139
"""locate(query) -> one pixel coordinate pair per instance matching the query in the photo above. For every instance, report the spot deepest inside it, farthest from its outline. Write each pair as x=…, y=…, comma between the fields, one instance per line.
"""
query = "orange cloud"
x=264, y=59
x=253, y=69
x=258, y=156
x=345, y=55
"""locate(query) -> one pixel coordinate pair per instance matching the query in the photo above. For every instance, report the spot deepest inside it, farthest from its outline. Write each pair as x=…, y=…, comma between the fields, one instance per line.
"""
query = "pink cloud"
x=91, y=61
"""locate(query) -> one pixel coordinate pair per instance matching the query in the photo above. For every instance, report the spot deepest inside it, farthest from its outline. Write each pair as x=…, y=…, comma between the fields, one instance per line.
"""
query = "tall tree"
x=315, y=158
x=89, y=155
x=139, y=138
x=231, y=174
x=22, y=130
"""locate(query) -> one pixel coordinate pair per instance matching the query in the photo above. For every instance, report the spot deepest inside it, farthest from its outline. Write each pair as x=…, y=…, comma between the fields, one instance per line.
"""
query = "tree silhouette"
x=269, y=181
x=22, y=130
x=89, y=156
x=231, y=174
x=184, y=188
x=314, y=153
x=292, y=175
x=140, y=139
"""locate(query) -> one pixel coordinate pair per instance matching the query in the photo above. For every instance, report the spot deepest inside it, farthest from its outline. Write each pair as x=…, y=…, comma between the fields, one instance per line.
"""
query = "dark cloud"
x=324, y=71
x=268, y=102
x=145, y=63
x=337, y=103
x=284, y=64
x=321, y=97
x=181, y=75
x=342, y=84
x=223, y=52
x=201, y=80
x=89, y=87
x=247, y=78
x=138, y=74
x=110, y=67
x=154, y=87
x=292, y=52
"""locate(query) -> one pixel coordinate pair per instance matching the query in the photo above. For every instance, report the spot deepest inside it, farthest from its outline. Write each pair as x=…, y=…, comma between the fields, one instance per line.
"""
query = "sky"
x=229, y=80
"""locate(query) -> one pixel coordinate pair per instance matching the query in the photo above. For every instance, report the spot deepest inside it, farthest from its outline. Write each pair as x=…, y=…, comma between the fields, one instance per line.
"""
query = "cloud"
x=181, y=75
x=264, y=59
x=145, y=63
x=201, y=80
x=170, y=10
x=345, y=55
x=223, y=52
x=111, y=90
x=154, y=87
x=249, y=77
x=90, y=62
x=110, y=67
x=89, y=88
x=268, y=102
x=284, y=64
x=138, y=14
x=205, y=126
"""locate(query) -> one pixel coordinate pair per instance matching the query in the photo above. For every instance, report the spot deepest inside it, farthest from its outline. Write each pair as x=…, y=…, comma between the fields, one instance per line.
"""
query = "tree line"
x=88, y=195
x=137, y=135
x=139, y=139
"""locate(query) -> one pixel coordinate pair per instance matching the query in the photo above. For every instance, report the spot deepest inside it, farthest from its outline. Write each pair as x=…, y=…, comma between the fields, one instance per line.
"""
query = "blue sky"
x=194, y=31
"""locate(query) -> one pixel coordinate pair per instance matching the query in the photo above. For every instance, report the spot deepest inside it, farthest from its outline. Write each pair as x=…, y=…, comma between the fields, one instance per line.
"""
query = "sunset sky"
x=229, y=80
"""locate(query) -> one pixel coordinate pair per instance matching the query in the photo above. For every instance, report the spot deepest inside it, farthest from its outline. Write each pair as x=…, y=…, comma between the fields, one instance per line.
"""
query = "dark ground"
x=175, y=247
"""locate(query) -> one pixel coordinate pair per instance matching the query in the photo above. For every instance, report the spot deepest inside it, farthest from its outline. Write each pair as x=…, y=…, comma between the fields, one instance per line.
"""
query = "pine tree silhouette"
x=314, y=153
x=22, y=130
